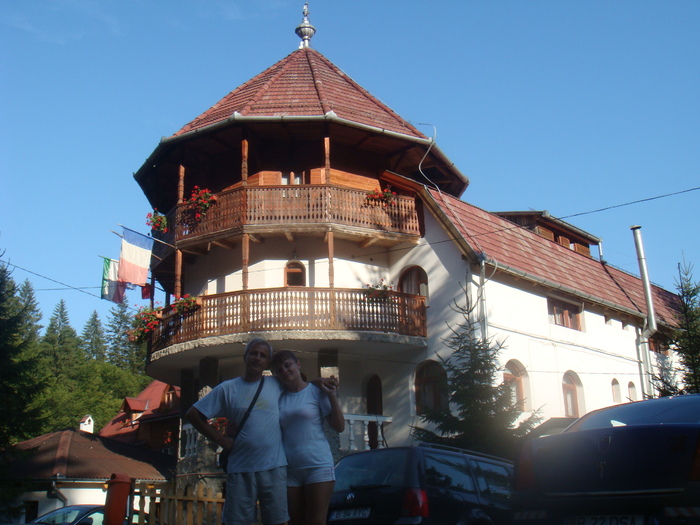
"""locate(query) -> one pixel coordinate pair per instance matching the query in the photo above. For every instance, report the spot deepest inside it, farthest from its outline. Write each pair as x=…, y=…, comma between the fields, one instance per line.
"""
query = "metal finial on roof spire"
x=305, y=30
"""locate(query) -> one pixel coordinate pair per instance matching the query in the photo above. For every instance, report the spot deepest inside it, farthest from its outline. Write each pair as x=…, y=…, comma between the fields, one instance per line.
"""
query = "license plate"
x=350, y=514
x=607, y=519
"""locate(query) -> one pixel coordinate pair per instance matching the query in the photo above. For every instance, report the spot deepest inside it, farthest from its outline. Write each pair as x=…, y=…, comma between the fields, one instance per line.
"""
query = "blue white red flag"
x=135, y=257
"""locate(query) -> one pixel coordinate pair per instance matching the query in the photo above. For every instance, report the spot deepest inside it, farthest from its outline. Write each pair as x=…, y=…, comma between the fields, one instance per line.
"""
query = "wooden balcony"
x=295, y=208
x=276, y=309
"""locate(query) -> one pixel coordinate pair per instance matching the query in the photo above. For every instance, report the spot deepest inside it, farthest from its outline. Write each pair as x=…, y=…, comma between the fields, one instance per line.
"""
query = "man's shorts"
x=298, y=477
x=243, y=489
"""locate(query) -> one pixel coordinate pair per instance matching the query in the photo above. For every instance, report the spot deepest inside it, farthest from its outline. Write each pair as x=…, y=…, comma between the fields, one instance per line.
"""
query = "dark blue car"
x=631, y=464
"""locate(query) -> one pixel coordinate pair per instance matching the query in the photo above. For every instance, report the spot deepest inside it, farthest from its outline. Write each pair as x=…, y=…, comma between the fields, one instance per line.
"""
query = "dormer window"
x=564, y=313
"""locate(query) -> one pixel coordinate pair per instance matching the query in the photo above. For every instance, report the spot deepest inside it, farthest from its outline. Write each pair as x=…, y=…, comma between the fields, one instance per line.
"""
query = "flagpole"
x=147, y=236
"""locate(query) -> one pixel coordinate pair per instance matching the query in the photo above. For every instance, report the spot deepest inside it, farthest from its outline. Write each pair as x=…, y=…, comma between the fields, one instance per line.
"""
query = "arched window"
x=414, y=280
x=571, y=387
x=616, y=393
x=431, y=387
x=516, y=375
x=294, y=274
x=632, y=391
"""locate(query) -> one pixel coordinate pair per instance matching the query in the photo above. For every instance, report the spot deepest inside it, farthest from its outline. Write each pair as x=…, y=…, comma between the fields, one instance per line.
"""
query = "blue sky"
x=565, y=106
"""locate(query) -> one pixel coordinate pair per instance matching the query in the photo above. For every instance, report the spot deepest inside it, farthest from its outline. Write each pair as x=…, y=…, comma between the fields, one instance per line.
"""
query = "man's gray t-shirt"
x=259, y=445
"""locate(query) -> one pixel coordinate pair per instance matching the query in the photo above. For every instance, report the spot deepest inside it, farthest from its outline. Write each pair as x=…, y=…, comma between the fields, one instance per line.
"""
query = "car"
x=83, y=515
x=421, y=485
x=635, y=463
x=73, y=515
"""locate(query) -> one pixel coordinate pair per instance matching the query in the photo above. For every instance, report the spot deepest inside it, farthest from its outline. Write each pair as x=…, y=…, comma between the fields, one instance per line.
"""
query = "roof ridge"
x=372, y=98
x=318, y=83
x=60, y=466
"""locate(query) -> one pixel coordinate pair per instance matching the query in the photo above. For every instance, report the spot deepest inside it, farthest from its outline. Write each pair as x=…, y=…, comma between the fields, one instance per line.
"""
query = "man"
x=257, y=463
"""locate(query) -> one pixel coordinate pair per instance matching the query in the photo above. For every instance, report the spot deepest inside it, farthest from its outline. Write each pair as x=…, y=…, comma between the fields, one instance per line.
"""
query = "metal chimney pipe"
x=651, y=317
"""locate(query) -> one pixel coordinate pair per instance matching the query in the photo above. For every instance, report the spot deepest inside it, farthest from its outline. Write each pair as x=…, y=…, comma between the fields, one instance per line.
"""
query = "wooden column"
x=244, y=162
x=246, y=257
x=177, y=289
x=331, y=270
x=327, y=152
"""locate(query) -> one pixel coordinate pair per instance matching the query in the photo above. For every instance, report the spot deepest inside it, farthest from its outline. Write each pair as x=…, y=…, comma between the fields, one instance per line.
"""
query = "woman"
x=303, y=407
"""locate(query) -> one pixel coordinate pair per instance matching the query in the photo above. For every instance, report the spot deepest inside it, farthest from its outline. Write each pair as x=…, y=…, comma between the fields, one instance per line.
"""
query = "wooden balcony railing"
x=275, y=309
x=293, y=205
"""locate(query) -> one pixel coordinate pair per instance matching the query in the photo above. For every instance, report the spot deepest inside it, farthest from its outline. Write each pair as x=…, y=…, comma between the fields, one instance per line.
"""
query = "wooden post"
x=178, y=274
x=177, y=289
x=244, y=162
x=331, y=269
x=245, y=246
x=327, y=151
x=181, y=185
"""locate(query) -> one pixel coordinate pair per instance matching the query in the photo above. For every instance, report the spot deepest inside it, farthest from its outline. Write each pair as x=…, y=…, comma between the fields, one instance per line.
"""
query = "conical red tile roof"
x=303, y=84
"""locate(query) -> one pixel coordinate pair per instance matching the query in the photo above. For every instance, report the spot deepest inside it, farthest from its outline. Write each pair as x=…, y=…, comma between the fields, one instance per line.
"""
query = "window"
x=431, y=387
x=570, y=386
x=414, y=280
x=564, y=314
x=294, y=274
x=616, y=393
x=631, y=391
x=494, y=480
x=448, y=472
x=516, y=375
x=658, y=343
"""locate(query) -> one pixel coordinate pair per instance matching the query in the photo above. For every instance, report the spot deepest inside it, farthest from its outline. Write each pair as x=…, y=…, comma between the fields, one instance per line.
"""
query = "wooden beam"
x=369, y=241
x=254, y=238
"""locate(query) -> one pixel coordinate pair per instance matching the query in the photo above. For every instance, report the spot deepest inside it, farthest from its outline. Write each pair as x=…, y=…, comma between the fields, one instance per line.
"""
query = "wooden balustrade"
x=290, y=205
x=293, y=309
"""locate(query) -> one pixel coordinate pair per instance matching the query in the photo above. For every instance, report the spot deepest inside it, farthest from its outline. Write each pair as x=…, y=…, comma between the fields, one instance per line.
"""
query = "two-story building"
x=336, y=230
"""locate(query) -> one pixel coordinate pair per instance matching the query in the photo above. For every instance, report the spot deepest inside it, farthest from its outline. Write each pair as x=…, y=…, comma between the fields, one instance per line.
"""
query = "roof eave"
x=328, y=117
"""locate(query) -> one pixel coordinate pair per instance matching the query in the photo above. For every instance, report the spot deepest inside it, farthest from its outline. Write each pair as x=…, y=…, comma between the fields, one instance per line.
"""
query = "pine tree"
x=63, y=402
x=686, y=339
x=32, y=312
x=93, y=340
x=482, y=416
x=128, y=355
x=22, y=380
x=60, y=344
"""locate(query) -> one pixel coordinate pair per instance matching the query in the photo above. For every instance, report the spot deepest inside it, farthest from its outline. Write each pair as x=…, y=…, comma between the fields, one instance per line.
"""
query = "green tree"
x=32, y=312
x=481, y=415
x=122, y=352
x=63, y=402
x=22, y=379
x=686, y=338
x=21, y=385
x=93, y=340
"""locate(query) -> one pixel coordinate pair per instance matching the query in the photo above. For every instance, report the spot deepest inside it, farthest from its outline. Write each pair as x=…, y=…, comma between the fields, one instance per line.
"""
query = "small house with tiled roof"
x=150, y=420
x=336, y=229
x=72, y=467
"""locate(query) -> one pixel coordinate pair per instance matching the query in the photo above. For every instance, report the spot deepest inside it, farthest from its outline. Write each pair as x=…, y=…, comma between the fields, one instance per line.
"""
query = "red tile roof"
x=305, y=83
x=75, y=454
x=149, y=405
x=523, y=252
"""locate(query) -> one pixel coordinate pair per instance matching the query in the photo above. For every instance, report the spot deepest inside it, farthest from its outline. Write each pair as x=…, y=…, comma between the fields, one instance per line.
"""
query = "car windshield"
x=679, y=409
x=65, y=515
x=381, y=468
